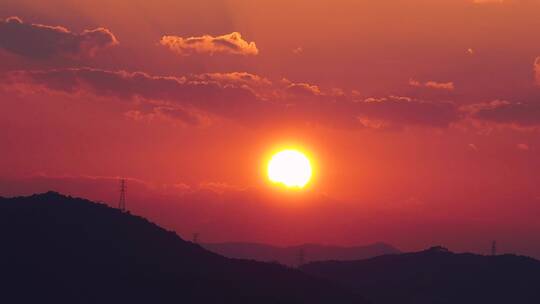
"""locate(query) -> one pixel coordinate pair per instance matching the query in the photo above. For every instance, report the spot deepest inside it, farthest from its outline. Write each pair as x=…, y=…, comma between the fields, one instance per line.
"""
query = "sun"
x=290, y=168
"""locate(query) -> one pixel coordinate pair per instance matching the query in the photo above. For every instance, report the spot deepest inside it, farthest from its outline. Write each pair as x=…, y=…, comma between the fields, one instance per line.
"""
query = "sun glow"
x=290, y=168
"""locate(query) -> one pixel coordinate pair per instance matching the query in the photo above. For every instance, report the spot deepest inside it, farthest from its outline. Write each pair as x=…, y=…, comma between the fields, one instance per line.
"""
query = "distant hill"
x=438, y=276
x=58, y=249
x=291, y=255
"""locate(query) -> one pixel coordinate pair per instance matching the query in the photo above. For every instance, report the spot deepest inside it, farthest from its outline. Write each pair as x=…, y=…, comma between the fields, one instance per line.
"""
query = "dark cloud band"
x=39, y=41
x=246, y=98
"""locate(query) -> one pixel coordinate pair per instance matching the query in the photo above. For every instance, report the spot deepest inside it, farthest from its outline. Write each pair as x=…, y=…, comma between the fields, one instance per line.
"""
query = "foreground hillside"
x=438, y=276
x=58, y=249
x=291, y=255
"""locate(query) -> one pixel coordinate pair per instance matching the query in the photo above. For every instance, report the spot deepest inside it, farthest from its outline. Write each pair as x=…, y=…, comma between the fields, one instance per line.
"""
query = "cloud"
x=235, y=78
x=335, y=108
x=38, y=41
x=521, y=114
x=232, y=44
x=449, y=86
x=409, y=111
x=183, y=115
x=440, y=85
x=172, y=114
x=242, y=97
x=304, y=89
x=220, y=187
x=157, y=91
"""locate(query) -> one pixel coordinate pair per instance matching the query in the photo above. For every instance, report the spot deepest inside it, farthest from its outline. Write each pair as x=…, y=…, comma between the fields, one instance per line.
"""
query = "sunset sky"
x=421, y=118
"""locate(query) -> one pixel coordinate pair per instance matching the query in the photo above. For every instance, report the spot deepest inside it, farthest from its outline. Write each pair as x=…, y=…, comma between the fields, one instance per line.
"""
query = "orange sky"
x=422, y=117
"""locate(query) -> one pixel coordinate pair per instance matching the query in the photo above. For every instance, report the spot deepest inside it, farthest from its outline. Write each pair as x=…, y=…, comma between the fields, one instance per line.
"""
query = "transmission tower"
x=494, y=248
x=301, y=257
x=195, y=238
x=122, y=201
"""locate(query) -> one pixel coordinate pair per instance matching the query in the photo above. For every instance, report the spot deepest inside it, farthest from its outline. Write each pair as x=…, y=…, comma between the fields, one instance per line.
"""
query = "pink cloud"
x=232, y=44
x=449, y=86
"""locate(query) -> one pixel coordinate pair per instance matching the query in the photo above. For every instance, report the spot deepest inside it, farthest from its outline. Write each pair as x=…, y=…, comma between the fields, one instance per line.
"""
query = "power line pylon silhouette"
x=122, y=201
x=301, y=257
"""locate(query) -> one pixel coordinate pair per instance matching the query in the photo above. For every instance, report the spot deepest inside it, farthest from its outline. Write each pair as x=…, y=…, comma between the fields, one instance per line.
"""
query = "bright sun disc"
x=290, y=168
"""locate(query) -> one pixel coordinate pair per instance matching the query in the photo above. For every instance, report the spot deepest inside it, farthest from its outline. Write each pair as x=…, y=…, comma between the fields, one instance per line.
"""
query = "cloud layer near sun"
x=246, y=98
x=253, y=100
x=232, y=43
x=44, y=41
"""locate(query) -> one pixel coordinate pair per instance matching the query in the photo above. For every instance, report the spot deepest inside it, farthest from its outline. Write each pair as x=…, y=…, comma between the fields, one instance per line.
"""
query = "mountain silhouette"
x=59, y=249
x=438, y=276
x=291, y=255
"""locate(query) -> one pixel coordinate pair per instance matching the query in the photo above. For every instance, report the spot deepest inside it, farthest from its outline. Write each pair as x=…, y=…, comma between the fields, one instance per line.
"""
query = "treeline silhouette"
x=438, y=276
x=58, y=249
